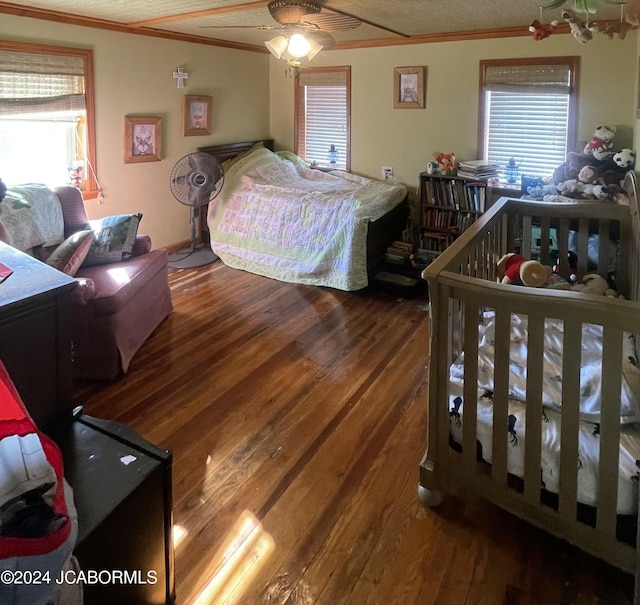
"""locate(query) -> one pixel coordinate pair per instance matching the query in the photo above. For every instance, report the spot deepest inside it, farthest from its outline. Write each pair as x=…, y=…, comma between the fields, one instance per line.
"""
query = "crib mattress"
x=515, y=431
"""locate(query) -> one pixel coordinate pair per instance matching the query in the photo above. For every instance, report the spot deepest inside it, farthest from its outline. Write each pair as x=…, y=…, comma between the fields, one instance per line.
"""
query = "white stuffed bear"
x=601, y=144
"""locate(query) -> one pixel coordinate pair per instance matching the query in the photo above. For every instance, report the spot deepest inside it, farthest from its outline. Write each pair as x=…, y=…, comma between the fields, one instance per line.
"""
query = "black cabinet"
x=35, y=336
x=122, y=493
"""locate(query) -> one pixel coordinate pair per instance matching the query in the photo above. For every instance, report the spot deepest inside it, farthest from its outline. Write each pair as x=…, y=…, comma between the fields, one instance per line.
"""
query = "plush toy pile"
x=594, y=173
x=520, y=271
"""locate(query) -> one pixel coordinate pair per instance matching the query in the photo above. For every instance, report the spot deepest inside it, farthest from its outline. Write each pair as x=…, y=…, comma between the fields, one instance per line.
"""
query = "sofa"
x=120, y=297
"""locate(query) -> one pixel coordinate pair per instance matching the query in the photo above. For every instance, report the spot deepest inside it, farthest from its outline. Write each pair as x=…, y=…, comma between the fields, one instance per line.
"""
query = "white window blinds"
x=323, y=116
x=528, y=113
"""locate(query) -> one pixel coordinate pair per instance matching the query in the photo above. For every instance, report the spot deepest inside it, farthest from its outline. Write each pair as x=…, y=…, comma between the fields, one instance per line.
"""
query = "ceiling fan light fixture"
x=277, y=46
x=299, y=46
x=315, y=48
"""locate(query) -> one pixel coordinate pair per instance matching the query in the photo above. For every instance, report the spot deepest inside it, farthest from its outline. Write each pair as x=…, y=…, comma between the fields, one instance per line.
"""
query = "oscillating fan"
x=195, y=180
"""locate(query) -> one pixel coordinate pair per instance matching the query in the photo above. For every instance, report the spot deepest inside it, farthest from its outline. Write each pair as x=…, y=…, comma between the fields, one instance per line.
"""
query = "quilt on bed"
x=279, y=218
x=590, y=402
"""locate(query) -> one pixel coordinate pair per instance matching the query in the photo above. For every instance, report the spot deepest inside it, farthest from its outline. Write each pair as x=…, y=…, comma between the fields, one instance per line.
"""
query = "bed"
x=533, y=392
x=277, y=217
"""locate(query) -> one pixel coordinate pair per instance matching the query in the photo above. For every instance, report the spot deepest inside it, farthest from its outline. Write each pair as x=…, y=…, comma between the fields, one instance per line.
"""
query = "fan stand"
x=196, y=255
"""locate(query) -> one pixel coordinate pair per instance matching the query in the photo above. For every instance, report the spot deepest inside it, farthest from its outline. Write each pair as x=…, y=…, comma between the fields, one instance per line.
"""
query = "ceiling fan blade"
x=239, y=26
x=332, y=21
x=366, y=21
x=323, y=38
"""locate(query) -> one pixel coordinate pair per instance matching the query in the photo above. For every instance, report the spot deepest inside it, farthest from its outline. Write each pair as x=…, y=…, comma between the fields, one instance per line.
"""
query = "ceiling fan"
x=305, y=28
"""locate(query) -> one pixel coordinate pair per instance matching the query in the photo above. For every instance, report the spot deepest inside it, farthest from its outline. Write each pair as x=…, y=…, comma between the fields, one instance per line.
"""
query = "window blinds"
x=323, y=115
x=527, y=114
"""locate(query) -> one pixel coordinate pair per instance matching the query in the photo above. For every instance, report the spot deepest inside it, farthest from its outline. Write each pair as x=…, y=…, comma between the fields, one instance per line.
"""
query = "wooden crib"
x=462, y=287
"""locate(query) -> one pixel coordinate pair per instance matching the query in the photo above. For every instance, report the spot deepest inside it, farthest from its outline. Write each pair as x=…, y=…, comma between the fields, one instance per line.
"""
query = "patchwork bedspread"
x=278, y=218
x=590, y=403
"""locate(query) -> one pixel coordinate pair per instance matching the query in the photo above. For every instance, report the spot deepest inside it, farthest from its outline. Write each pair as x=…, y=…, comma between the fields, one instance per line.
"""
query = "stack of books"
x=399, y=253
x=478, y=169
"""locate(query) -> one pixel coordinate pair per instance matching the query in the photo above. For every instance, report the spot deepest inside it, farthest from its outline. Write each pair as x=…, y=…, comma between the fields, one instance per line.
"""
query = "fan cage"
x=291, y=11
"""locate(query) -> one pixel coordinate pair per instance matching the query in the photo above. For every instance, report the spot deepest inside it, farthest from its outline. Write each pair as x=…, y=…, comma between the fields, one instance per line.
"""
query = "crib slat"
x=470, y=386
x=571, y=360
x=603, y=247
x=563, y=249
x=500, y=397
x=544, y=240
x=532, y=456
x=609, y=431
x=526, y=236
x=583, y=244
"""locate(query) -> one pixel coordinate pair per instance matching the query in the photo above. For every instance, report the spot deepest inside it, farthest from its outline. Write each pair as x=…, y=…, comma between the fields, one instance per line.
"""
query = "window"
x=323, y=112
x=46, y=115
x=528, y=112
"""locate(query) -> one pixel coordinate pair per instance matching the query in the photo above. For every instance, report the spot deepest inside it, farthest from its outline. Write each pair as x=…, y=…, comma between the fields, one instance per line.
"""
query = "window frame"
x=91, y=190
x=574, y=66
x=299, y=110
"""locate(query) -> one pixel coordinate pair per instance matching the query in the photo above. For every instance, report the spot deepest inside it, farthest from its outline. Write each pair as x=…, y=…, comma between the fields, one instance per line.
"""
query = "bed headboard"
x=231, y=150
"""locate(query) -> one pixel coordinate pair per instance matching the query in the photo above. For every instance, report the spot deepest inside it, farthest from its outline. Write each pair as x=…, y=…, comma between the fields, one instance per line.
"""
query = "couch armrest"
x=142, y=245
x=84, y=292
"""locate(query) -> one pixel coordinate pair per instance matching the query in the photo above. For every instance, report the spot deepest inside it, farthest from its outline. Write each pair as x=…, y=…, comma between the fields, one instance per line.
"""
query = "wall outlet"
x=387, y=173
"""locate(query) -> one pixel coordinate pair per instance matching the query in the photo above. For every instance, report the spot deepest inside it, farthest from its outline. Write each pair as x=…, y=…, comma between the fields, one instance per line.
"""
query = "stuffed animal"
x=539, y=192
x=601, y=144
x=618, y=27
x=516, y=269
x=446, y=161
x=540, y=32
x=625, y=159
x=581, y=30
x=632, y=13
x=592, y=283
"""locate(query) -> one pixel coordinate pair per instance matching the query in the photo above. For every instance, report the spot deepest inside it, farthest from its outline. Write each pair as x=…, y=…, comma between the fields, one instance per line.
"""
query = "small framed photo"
x=196, y=116
x=408, y=87
x=142, y=139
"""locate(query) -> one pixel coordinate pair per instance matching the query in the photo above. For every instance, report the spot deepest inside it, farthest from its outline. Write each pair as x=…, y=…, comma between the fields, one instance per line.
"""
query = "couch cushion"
x=114, y=239
x=70, y=254
x=116, y=283
x=73, y=210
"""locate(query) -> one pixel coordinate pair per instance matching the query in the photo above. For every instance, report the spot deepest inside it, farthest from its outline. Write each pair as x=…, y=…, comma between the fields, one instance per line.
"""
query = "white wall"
x=133, y=76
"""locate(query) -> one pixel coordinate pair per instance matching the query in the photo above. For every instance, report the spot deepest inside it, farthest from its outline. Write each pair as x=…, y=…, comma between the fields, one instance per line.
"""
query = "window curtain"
x=33, y=82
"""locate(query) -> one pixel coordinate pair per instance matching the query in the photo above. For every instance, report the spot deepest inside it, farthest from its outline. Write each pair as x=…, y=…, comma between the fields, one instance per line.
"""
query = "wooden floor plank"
x=300, y=412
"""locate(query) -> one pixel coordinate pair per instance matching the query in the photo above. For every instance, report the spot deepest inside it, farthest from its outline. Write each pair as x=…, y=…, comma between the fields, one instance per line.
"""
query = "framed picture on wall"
x=196, y=115
x=408, y=87
x=142, y=139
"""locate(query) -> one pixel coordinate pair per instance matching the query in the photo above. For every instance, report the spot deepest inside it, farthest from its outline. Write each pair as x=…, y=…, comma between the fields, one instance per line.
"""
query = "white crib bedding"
x=515, y=432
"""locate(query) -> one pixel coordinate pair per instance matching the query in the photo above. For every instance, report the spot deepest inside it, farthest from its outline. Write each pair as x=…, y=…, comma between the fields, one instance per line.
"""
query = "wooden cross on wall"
x=181, y=76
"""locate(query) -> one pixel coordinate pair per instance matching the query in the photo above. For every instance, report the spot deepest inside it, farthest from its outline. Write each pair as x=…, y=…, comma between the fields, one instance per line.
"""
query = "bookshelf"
x=448, y=205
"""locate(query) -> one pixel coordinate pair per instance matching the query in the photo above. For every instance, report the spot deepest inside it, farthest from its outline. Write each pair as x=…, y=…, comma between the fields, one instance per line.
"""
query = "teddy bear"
x=592, y=283
x=601, y=144
x=446, y=161
x=540, y=32
x=632, y=13
x=581, y=30
x=618, y=27
x=515, y=269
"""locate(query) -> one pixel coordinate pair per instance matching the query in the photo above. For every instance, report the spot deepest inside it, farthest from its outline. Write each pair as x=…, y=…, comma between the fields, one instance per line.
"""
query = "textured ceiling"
x=385, y=21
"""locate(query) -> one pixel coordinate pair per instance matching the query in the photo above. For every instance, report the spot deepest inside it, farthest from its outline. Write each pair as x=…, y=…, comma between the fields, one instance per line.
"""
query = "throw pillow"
x=114, y=239
x=70, y=254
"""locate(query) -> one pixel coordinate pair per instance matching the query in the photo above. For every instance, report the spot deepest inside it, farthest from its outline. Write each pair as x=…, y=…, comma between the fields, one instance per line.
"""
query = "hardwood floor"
x=297, y=418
